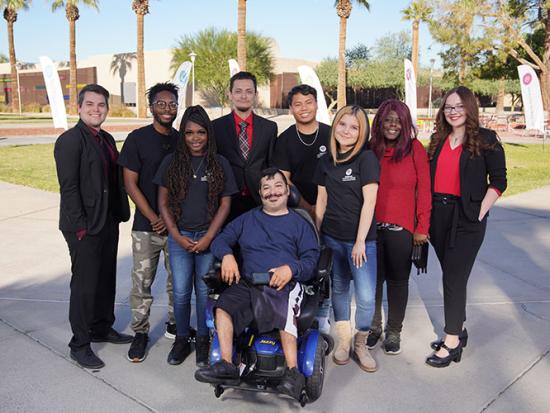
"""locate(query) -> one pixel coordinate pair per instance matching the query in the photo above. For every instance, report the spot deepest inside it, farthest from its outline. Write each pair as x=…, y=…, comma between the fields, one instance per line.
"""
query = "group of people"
x=219, y=189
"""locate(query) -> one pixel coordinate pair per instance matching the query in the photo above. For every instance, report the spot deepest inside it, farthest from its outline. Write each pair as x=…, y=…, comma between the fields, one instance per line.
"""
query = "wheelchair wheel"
x=314, y=384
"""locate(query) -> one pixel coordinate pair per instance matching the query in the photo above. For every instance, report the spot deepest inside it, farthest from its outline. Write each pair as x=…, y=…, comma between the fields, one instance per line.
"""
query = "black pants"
x=93, y=283
x=456, y=241
x=394, y=249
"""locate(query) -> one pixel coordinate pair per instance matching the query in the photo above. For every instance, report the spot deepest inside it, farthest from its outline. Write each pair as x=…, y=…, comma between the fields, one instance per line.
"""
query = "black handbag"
x=419, y=258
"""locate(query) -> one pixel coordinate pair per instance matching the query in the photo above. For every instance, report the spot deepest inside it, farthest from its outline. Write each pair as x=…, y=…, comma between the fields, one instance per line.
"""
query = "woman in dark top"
x=468, y=171
x=402, y=214
x=195, y=188
x=347, y=185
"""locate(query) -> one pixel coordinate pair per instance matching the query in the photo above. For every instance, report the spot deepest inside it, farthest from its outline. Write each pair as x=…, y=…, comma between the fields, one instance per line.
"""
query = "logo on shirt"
x=322, y=151
x=349, y=177
x=204, y=178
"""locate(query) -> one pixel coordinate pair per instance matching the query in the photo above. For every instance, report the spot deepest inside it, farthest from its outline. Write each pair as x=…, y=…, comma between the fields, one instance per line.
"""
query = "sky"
x=305, y=29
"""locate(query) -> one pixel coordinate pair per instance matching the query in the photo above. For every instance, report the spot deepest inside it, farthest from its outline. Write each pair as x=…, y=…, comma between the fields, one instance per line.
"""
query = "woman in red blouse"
x=468, y=171
x=402, y=214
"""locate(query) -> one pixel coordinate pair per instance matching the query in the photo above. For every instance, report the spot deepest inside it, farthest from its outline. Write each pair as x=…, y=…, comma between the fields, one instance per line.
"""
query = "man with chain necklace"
x=297, y=152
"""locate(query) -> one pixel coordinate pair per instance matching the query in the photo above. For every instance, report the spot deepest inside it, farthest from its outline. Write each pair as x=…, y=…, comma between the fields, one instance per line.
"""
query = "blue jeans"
x=184, y=265
x=364, y=280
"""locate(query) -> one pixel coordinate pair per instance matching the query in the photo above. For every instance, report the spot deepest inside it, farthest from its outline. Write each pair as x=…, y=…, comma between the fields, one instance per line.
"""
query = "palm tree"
x=72, y=14
x=121, y=63
x=343, y=9
x=241, y=34
x=11, y=7
x=418, y=10
x=141, y=8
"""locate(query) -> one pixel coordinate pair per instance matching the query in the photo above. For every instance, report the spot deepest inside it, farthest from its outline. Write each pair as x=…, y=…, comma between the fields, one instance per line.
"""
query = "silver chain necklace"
x=314, y=139
x=196, y=171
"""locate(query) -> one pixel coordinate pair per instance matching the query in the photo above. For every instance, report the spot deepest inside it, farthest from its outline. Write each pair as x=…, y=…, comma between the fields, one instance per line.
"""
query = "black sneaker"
x=220, y=372
x=136, y=354
x=374, y=336
x=170, y=331
x=392, y=343
x=113, y=337
x=86, y=358
x=180, y=350
x=202, y=350
x=292, y=383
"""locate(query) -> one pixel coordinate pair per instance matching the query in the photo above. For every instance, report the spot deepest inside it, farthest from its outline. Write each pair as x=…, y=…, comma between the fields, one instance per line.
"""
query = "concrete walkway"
x=505, y=368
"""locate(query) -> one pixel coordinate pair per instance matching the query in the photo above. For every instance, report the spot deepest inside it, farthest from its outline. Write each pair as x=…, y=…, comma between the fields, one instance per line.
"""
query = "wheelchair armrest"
x=213, y=278
x=324, y=266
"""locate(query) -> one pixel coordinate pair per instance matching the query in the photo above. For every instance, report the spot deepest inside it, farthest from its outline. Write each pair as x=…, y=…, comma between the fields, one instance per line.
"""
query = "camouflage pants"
x=146, y=249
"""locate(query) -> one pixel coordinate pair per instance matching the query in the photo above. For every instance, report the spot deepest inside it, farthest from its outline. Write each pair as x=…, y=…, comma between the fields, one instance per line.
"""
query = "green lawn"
x=33, y=165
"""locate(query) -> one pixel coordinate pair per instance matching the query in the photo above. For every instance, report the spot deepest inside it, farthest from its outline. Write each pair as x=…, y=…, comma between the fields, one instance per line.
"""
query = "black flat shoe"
x=463, y=337
x=455, y=354
x=220, y=372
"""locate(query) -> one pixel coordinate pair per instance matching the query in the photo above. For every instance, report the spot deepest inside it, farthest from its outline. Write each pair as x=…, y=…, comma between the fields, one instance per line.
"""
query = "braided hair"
x=179, y=172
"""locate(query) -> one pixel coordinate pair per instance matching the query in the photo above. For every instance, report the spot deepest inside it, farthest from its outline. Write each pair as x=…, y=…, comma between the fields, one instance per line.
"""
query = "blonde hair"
x=364, y=130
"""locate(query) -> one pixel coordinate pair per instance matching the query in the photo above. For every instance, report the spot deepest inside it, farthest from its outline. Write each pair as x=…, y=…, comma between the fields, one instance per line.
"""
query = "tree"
x=213, y=48
x=343, y=9
x=141, y=8
x=241, y=34
x=418, y=11
x=459, y=24
x=72, y=13
x=393, y=47
x=532, y=48
x=3, y=58
x=121, y=63
x=11, y=7
x=356, y=53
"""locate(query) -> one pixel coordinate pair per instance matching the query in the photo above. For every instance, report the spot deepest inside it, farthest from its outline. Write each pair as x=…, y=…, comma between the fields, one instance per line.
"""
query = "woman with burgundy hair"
x=402, y=213
x=468, y=171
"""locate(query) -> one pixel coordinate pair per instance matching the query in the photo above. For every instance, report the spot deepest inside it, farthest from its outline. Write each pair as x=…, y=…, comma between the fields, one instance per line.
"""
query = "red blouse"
x=447, y=171
x=404, y=196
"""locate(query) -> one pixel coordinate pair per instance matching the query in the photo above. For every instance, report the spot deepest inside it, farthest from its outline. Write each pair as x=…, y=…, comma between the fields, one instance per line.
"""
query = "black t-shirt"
x=143, y=151
x=344, y=184
x=299, y=154
x=194, y=206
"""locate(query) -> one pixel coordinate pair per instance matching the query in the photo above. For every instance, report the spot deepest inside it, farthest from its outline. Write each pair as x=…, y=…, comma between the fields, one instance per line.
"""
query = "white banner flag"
x=233, y=67
x=309, y=77
x=410, y=89
x=531, y=97
x=55, y=93
x=181, y=78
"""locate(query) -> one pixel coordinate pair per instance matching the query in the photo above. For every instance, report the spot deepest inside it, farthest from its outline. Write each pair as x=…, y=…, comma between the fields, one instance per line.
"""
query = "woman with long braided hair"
x=195, y=188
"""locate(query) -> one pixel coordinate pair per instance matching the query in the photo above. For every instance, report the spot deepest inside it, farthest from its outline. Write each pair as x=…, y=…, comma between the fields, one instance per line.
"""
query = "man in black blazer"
x=246, y=140
x=93, y=203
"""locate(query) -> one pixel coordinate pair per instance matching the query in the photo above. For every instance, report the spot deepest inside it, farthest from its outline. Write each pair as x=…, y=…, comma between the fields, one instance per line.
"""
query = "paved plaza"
x=505, y=368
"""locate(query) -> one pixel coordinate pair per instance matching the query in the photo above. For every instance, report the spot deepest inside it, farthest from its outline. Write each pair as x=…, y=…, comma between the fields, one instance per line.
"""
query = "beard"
x=162, y=122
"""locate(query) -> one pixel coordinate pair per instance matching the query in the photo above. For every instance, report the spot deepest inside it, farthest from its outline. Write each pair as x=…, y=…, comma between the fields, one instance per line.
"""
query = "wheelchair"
x=260, y=357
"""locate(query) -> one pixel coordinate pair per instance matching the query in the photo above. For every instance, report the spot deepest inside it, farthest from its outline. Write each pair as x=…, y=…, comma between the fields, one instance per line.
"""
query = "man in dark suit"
x=246, y=140
x=93, y=203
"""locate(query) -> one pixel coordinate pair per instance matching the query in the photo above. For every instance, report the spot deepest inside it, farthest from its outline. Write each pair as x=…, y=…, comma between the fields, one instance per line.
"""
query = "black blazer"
x=247, y=172
x=83, y=187
x=477, y=173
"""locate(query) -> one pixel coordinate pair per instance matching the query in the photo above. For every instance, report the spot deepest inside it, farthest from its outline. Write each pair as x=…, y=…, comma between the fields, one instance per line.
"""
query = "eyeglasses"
x=161, y=104
x=457, y=109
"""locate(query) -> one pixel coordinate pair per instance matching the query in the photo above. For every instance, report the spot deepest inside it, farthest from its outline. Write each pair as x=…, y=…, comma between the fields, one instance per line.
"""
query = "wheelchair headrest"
x=294, y=197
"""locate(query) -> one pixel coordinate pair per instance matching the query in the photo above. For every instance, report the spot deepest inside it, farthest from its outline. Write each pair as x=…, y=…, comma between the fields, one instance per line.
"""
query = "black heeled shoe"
x=463, y=337
x=455, y=354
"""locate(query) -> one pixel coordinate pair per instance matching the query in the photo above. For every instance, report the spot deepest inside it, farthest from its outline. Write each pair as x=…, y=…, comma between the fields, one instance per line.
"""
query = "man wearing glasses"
x=141, y=155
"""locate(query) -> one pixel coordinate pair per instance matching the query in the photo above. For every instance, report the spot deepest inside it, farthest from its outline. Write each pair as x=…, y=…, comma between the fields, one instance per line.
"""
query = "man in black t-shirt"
x=297, y=153
x=301, y=146
x=141, y=155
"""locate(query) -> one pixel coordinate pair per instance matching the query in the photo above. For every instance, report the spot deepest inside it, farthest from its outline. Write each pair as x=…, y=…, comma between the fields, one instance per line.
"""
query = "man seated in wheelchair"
x=272, y=239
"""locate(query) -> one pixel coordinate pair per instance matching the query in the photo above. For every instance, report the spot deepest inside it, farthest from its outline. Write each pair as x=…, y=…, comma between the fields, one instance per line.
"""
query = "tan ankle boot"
x=340, y=354
x=361, y=352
